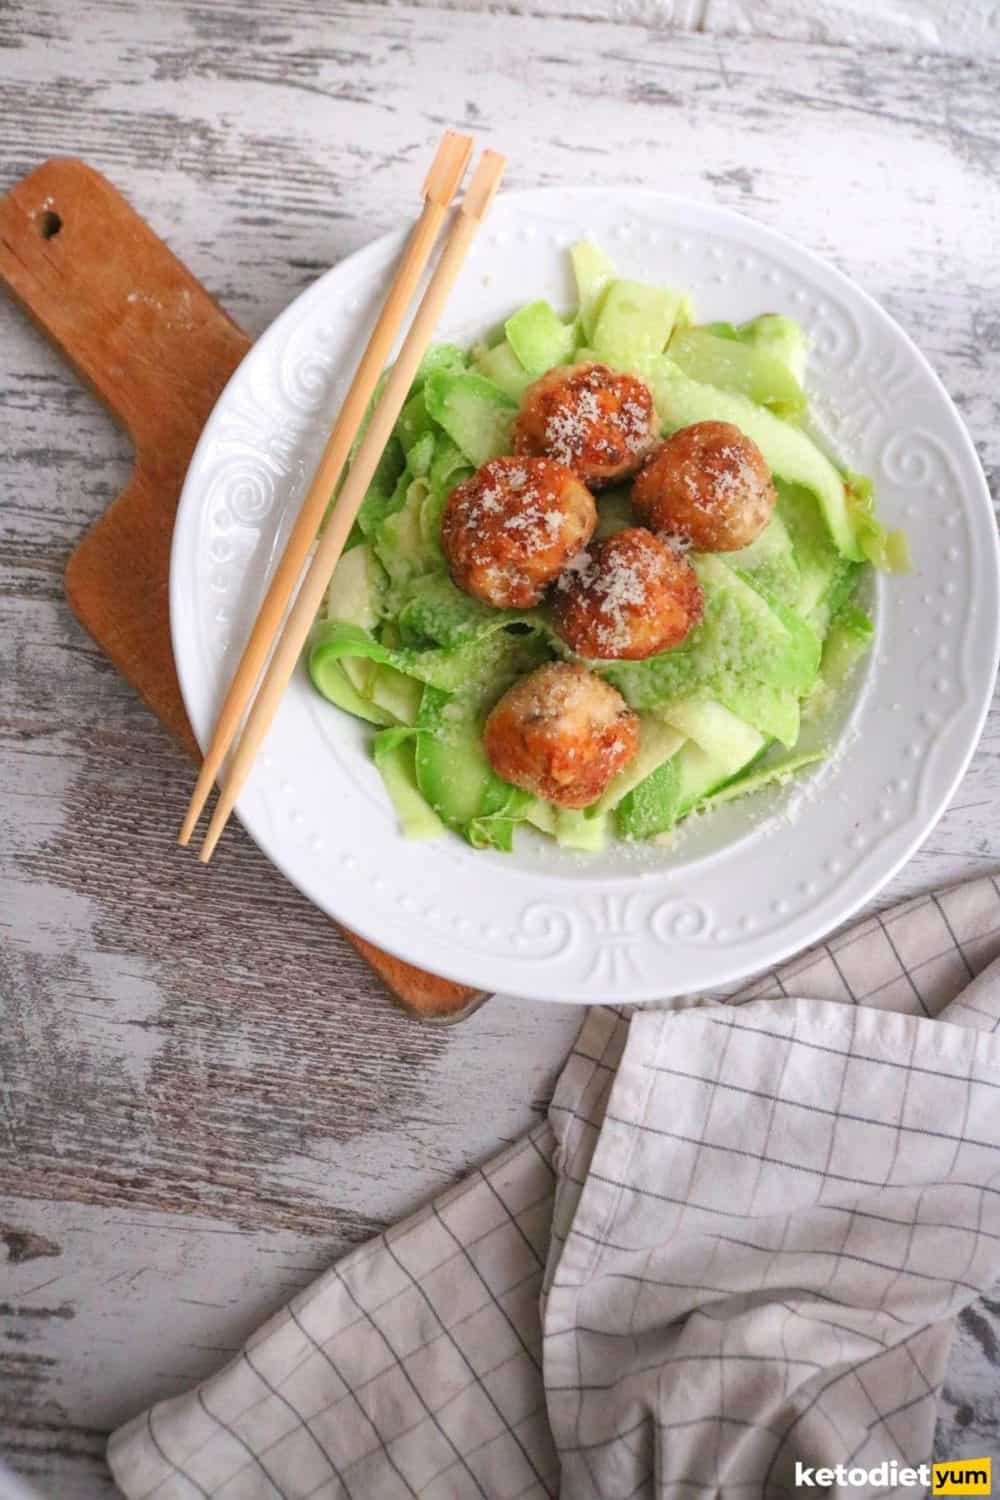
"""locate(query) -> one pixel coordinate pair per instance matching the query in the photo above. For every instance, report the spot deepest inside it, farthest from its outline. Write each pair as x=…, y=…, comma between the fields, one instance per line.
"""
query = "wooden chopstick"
x=473, y=209
x=440, y=187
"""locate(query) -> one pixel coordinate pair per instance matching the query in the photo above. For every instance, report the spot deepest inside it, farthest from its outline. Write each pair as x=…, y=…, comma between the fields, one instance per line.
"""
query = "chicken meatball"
x=597, y=422
x=509, y=530
x=708, y=485
x=562, y=734
x=633, y=596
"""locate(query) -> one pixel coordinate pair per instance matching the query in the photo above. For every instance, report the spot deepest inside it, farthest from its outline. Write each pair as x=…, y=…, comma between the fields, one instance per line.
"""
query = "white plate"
x=760, y=879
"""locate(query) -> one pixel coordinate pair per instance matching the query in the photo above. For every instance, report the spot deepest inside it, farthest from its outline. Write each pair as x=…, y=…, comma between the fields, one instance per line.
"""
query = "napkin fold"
x=735, y=1250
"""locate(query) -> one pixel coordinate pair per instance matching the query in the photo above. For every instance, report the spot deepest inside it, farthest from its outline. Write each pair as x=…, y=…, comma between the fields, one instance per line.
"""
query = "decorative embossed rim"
x=751, y=888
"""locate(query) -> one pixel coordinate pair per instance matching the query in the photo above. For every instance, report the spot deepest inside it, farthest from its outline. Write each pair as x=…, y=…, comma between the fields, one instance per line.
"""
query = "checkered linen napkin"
x=739, y=1241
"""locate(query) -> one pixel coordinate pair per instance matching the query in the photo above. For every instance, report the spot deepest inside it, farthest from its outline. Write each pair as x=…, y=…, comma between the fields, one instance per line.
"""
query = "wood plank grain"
x=200, y=1056
x=967, y=28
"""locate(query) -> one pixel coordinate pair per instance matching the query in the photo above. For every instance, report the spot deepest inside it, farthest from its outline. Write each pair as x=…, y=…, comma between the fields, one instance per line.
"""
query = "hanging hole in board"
x=49, y=223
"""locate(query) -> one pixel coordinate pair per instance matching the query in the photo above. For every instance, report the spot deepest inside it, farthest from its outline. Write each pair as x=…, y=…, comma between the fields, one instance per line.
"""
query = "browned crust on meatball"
x=509, y=530
x=562, y=734
x=633, y=597
x=708, y=484
x=598, y=422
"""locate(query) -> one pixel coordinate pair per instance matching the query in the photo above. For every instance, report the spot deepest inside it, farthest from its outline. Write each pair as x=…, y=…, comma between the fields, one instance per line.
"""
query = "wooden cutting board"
x=157, y=349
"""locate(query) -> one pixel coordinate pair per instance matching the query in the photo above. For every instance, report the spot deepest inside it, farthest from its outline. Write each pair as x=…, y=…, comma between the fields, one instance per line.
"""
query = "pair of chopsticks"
x=440, y=186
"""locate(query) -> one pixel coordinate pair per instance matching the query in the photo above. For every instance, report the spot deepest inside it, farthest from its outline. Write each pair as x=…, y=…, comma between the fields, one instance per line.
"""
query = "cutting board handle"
x=137, y=326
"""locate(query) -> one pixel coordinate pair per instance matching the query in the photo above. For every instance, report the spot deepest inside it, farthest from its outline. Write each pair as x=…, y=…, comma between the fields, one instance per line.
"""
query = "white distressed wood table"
x=205, y=1095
